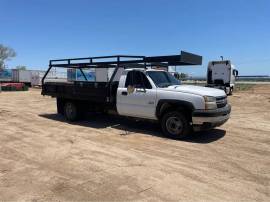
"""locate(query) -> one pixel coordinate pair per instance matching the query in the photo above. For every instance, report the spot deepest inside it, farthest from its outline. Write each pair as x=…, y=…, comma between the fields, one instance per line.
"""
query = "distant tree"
x=21, y=67
x=183, y=76
x=6, y=53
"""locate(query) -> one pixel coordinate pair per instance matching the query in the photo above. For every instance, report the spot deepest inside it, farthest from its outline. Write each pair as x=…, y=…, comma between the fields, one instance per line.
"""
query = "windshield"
x=163, y=79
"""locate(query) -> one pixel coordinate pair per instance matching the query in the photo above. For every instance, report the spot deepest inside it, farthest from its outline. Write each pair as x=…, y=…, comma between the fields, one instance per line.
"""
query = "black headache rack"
x=124, y=61
x=105, y=92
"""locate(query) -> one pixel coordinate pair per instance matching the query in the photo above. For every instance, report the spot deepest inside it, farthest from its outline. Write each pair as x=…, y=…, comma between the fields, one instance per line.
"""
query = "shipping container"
x=36, y=77
x=6, y=75
x=28, y=77
x=23, y=76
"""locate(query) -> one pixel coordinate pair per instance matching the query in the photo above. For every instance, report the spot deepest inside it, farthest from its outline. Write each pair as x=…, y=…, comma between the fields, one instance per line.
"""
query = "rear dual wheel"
x=71, y=111
x=60, y=106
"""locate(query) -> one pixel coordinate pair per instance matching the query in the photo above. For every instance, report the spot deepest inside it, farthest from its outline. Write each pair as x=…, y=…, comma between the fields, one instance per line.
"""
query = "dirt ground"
x=44, y=158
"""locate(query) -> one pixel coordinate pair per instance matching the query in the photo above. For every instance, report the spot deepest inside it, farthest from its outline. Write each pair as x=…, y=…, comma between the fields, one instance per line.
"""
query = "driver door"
x=139, y=103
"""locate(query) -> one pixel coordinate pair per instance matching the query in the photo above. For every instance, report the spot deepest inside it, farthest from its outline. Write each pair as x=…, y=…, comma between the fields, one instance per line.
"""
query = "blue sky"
x=40, y=30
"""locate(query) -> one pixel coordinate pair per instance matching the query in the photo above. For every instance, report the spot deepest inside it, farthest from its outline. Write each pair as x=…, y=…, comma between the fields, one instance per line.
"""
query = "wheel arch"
x=166, y=105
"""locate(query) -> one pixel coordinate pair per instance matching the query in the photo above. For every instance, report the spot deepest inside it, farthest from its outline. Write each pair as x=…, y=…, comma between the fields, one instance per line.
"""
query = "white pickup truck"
x=145, y=94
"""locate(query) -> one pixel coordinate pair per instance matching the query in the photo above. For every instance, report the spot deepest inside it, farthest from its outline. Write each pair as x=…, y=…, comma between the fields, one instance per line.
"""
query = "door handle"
x=124, y=93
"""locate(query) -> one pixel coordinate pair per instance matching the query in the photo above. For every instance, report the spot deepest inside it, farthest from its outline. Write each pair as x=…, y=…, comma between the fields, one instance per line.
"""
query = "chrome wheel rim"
x=174, y=125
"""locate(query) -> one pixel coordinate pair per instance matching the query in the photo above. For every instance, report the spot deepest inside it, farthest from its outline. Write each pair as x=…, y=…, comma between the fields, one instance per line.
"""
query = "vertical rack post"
x=50, y=66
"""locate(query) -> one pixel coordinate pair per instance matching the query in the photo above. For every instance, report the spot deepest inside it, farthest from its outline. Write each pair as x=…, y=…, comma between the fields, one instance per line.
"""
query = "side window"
x=235, y=72
x=138, y=80
x=145, y=81
x=129, y=79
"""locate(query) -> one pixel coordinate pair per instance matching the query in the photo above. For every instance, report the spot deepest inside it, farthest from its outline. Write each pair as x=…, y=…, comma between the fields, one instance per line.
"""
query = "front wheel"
x=175, y=125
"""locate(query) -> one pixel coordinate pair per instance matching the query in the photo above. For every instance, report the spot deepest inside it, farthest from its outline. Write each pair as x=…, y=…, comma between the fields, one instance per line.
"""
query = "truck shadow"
x=131, y=126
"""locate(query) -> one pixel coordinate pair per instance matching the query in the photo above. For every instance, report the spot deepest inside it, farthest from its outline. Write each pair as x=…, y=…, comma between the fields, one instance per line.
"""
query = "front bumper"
x=207, y=119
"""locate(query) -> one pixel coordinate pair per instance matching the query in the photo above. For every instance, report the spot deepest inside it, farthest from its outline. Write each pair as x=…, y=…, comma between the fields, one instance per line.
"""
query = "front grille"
x=221, y=101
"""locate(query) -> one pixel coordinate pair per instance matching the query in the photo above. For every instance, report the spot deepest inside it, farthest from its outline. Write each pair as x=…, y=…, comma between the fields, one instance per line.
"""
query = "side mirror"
x=130, y=89
x=235, y=72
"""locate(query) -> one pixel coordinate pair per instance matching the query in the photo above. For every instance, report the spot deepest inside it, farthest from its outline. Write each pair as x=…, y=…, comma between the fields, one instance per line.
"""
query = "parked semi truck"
x=222, y=75
x=141, y=93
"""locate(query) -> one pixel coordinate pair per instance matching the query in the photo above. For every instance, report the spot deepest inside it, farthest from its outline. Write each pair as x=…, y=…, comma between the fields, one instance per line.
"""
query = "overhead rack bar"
x=184, y=58
x=117, y=61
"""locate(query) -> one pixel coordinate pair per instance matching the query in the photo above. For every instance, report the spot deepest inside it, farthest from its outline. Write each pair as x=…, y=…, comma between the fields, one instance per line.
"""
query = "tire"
x=169, y=123
x=227, y=90
x=231, y=91
x=60, y=106
x=71, y=111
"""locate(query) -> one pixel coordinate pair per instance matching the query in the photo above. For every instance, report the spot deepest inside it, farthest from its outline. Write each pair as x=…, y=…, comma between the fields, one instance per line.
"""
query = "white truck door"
x=139, y=103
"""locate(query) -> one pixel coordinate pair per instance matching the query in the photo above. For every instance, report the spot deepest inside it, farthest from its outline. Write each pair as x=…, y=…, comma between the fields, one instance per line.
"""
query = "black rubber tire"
x=186, y=128
x=226, y=90
x=60, y=103
x=231, y=91
x=71, y=111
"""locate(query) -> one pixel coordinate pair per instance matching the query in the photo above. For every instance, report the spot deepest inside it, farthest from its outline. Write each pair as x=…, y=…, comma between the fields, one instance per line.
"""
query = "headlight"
x=210, y=102
x=209, y=99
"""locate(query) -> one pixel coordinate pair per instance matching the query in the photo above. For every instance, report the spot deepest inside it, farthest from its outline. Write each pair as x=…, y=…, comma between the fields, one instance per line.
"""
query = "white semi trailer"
x=222, y=75
x=28, y=77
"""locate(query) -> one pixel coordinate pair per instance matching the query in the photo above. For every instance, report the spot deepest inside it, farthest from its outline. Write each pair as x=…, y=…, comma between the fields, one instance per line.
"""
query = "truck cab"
x=222, y=74
x=157, y=95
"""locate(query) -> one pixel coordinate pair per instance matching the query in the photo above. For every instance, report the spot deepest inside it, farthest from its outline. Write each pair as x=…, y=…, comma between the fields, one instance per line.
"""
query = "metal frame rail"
x=118, y=61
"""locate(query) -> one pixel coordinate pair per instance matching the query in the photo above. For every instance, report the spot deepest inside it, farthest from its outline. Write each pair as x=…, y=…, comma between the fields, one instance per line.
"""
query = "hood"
x=197, y=90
